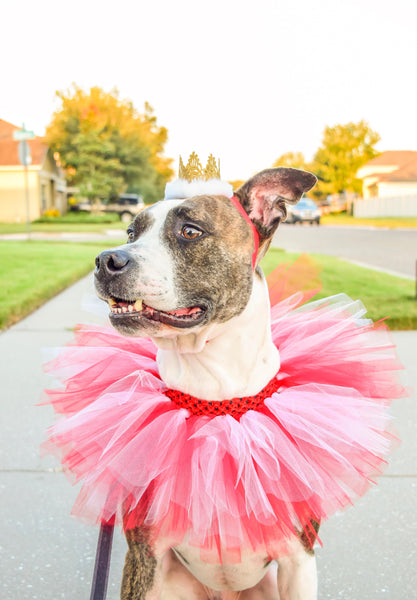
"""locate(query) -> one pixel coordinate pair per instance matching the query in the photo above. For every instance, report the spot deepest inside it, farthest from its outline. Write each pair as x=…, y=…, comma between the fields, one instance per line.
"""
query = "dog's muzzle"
x=113, y=268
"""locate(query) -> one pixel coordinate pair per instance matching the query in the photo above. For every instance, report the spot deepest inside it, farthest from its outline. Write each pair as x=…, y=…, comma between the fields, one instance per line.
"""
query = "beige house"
x=46, y=182
x=392, y=174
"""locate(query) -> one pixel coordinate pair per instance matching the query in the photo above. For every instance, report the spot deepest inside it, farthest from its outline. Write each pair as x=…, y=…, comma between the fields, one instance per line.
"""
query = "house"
x=46, y=182
x=392, y=174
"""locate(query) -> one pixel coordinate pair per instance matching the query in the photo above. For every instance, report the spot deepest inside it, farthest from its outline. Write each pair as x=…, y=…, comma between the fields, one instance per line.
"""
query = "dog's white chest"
x=238, y=576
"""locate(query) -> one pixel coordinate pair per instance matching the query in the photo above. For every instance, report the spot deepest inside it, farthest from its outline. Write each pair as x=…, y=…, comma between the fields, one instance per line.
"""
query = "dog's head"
x=188, y=263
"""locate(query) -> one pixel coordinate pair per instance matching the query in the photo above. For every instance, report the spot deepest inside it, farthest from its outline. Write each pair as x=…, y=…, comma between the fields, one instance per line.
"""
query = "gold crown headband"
x=194, y=171
x=194, y=180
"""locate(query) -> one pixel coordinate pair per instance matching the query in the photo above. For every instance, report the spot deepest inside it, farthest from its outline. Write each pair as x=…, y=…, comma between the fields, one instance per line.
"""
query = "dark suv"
x=126, y=205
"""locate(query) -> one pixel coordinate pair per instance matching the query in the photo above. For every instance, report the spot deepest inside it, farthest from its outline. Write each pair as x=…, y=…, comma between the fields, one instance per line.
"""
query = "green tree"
x=344, y=149
x=106, y=147
x=97, y=172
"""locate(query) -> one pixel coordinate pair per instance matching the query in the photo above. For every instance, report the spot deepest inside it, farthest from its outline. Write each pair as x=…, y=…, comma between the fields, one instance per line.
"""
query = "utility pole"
x=25, y=158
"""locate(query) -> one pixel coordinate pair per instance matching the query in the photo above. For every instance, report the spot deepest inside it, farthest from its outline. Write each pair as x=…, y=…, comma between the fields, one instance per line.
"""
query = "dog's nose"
x=111, y=262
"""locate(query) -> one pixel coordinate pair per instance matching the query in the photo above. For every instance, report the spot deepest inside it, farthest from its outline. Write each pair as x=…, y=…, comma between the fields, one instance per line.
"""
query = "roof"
x=403, y=163
x=391, y=158
x=406, y=174
x=9, y=154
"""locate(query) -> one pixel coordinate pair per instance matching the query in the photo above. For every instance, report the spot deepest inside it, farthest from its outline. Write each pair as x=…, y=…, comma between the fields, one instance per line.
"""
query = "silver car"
x=305, y=211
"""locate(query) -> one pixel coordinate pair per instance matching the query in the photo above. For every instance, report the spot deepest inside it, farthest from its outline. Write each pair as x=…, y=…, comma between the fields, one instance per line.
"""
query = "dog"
x=188, y=276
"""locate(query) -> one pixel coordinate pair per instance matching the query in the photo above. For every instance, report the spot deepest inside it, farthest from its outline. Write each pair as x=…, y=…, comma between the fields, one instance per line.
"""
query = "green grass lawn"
x=385, y=222
x=383, y=295
x=35, y=271
x=72, y=222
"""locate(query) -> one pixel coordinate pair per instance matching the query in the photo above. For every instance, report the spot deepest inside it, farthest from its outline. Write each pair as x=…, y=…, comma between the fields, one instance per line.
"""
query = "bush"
x=52, y=213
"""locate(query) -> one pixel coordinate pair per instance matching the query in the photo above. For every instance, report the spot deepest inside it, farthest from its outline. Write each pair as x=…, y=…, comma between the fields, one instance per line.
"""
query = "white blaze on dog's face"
x=188, y=262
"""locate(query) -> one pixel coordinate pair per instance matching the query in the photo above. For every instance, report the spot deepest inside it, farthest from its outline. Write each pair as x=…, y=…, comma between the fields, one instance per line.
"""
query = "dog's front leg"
x=297, y=576
x=142, y=573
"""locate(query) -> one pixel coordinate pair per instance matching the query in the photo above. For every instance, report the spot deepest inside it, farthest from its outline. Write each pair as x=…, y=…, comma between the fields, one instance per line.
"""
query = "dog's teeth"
x=124, y=309
x=130, y=308
x=111, y=302
x=119, y=310
x=138, y=305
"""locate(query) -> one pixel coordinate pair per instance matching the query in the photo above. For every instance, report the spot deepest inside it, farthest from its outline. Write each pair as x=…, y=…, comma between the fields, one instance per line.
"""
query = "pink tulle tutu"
x=228, y=485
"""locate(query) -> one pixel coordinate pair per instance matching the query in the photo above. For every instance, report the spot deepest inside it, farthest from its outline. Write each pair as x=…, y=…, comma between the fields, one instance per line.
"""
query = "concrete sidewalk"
x=369, y=552
x=106, y=235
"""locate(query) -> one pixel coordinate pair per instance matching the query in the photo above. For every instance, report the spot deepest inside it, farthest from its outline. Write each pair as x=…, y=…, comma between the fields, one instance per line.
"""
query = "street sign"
x=23, y=134
x=24, y=153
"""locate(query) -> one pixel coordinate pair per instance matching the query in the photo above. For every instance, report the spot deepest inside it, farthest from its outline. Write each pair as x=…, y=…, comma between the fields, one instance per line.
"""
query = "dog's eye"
x=130, y=235
x=190, y=233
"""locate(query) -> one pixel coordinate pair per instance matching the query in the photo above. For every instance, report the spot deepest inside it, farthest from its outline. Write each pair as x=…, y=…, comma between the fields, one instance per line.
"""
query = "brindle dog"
x=185, y=277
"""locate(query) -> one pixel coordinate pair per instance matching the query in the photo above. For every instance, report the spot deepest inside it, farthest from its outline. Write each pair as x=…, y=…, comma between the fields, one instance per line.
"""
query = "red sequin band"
x=235, y=407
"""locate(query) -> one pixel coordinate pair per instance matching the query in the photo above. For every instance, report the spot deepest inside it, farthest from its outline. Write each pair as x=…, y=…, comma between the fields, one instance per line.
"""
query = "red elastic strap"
x=244, y=214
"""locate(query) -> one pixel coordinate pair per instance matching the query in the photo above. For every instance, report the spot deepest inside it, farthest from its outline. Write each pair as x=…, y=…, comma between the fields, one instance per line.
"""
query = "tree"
x=106, y=147
x=92, y=168
x=292, y=159
x=236, y=183
x=344, y=149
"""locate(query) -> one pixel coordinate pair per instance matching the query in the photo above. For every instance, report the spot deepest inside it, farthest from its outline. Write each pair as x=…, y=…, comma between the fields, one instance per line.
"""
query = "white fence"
x=401, y=206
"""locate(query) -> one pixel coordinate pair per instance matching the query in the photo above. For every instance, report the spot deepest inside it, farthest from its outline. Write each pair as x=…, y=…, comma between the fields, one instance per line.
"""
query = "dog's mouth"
x=137, y=309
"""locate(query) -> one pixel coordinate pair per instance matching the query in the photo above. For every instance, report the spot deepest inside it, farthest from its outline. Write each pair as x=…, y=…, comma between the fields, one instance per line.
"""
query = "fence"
x=400, y=206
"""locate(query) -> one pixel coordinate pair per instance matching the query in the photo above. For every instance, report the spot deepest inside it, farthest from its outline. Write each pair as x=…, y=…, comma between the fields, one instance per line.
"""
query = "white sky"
x=244, y=80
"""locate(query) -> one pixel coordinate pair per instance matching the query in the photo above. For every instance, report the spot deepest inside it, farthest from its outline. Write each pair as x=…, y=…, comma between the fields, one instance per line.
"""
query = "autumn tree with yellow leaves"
x=292, y=159
x=107, y=147
x=344, y=149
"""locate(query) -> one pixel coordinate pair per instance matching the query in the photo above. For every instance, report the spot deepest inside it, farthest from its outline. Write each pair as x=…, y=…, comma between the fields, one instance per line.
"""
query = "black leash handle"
x=102, y=564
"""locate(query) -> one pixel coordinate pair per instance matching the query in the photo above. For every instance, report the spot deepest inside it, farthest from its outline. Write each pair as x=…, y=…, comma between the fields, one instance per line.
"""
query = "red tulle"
x=228, y=485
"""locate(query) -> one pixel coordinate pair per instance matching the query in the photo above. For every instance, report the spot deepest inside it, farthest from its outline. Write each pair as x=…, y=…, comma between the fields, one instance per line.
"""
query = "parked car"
x=305, y=211
x=126, y=205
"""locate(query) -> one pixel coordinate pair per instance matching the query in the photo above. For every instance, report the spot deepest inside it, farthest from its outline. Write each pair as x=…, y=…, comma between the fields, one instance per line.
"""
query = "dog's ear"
x=264, y=196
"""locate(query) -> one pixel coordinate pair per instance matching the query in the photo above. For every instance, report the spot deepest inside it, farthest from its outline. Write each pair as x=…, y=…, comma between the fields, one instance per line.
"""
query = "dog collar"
x=244, y=214
x=236, y=407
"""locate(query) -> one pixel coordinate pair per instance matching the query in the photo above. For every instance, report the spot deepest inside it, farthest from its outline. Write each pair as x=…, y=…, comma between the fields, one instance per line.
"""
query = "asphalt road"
x=392, y=250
